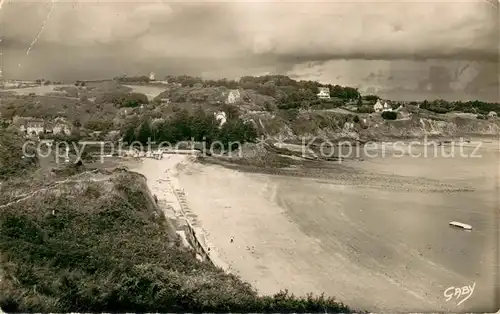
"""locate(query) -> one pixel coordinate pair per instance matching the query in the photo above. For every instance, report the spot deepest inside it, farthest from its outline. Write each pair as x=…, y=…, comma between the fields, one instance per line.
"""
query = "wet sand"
x=376, y=247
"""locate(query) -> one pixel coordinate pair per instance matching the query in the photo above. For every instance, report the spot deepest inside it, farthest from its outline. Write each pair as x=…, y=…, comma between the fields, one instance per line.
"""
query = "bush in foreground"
x=105, y=246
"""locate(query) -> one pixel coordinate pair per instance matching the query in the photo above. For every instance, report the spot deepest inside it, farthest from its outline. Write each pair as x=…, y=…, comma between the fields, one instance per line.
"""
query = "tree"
x=366, y=109
x=121, y=99
x=181, y=125
x=389, y=115
x=371, y=98
x=351, y=93
x=145, y=132
x=99, y=125
x=204, y=127
x=231, y=111
x=13, y=161
x=129, y=135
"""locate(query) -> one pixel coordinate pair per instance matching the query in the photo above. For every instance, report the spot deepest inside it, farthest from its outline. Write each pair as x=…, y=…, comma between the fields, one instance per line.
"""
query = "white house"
x=152, y=76
x=233, y=96
x=61, y=128
x=348, y=126
x=378, y=106
x=35, y=127
x=387, y=107
x=323, y=93
x=220, y=117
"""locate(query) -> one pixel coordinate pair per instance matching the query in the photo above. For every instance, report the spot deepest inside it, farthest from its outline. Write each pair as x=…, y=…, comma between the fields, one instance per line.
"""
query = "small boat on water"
x=460, y=225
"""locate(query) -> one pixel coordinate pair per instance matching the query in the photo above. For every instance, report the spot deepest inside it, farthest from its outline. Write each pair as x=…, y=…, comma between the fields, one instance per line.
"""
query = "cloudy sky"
x=402, y=49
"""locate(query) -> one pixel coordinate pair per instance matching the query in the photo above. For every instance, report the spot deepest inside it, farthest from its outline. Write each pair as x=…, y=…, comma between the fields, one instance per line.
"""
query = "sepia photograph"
x=263, y=156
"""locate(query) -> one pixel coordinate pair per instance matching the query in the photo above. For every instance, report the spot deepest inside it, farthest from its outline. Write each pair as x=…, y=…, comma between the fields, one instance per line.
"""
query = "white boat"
x=460, y=225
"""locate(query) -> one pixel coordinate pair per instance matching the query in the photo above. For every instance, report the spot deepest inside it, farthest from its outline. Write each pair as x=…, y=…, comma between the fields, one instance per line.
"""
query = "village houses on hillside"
x=34, y=126
x=378, y=107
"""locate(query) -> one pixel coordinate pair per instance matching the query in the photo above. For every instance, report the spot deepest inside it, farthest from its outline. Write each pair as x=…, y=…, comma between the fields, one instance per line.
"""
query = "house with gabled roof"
x=233, y=96
x=323, y=93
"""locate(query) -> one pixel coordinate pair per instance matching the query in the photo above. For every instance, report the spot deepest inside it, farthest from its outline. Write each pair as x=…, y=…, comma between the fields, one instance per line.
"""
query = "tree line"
x=132, y=79
x=277, y=86
x=120, y=99
x=185, y=126
x=289, y=93
x=476, y=106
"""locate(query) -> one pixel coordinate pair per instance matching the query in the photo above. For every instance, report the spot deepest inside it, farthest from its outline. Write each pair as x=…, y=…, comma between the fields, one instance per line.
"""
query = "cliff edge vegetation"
x=96, y=241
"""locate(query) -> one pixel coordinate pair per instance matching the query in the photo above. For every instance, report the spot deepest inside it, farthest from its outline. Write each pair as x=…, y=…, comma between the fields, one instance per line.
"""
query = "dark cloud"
x=310, y=31
x=334, y=41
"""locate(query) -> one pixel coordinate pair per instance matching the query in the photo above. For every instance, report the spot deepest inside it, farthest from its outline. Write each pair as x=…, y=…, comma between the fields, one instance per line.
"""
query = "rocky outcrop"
x=333, y=125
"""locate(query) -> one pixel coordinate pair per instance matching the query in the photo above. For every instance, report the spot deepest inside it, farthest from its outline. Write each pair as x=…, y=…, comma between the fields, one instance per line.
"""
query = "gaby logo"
x=459, y=293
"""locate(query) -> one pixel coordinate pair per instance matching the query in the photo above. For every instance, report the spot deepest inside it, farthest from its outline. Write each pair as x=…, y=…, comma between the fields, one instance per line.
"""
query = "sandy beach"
x=378, y=239
x=162, y=180
x=374, y=246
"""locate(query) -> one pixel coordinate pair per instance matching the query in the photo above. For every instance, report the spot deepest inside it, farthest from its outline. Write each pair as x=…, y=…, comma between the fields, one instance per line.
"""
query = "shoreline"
x=163, y=182
x=280, y=242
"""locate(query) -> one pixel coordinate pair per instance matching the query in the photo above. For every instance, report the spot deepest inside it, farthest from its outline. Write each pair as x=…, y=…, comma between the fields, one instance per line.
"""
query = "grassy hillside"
x=277, y=104
x=12, y=163
x=103, y=245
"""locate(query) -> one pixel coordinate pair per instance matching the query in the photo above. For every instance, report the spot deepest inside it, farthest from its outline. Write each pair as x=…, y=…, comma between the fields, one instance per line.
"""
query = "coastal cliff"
x=341, y=125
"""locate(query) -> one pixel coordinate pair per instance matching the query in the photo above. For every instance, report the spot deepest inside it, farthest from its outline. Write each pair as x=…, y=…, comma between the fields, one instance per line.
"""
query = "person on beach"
x=232, y=240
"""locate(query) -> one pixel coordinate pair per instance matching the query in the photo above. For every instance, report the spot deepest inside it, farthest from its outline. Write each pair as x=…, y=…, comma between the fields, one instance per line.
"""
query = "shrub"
x=366, y=109
x=121, y=99
x=99, y=125
x=389, y=115
x=197, y=126
x=82, y=250
x=371, y=98
x=289, y=115
x=13, y=162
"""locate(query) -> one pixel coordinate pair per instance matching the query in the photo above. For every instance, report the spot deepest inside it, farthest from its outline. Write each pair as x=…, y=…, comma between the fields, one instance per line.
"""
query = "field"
x=150, y=91
x=39, y=90
x=374, y=234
